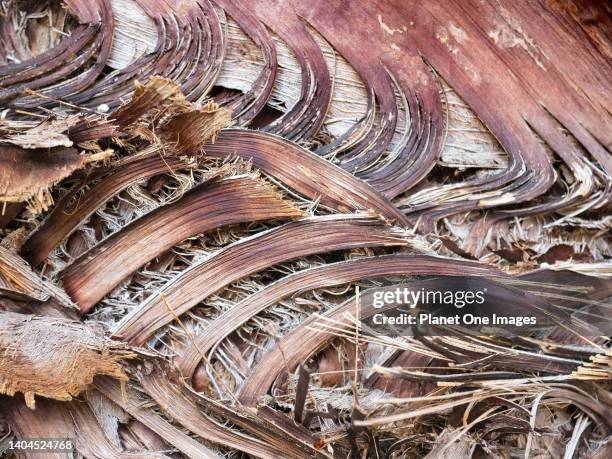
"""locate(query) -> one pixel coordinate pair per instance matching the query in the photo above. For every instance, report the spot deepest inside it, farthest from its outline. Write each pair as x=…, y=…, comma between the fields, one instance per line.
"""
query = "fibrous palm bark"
x=194, y=192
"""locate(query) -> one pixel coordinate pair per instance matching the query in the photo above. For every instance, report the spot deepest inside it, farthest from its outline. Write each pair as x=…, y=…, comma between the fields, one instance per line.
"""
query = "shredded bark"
x=18, y=281
x=28, y=174
x=54, y=358
x=226, y=184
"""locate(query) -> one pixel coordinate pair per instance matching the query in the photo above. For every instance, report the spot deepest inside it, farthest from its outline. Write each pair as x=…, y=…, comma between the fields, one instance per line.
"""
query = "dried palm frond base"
x=199, y=200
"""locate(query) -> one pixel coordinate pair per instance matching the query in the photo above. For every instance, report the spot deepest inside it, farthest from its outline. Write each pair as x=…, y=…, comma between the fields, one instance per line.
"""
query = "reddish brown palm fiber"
x=306, y=339
x=304, y=172
x=309, y=279
x=206, y=207
x=66, y=215
x=251, y=255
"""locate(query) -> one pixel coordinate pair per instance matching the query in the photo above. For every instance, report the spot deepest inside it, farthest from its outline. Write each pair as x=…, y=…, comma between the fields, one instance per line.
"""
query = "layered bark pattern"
x=216, y=180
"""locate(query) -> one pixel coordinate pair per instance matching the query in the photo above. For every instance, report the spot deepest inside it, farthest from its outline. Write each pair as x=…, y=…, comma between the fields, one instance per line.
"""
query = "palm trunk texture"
x=202, y=201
